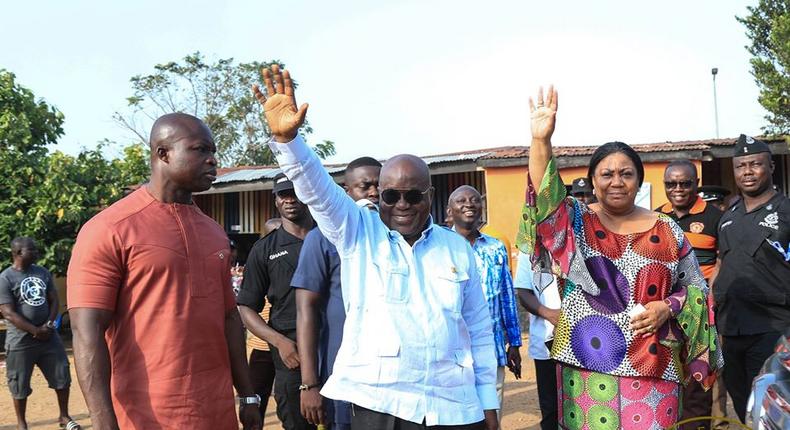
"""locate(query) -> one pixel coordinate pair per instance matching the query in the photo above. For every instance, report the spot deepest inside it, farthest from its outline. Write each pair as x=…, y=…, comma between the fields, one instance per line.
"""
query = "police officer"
x=267, y=275
x=581, y=188
x=751, y=290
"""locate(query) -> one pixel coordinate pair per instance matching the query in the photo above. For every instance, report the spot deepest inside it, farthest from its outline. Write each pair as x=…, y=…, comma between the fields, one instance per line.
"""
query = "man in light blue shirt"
x=418, y=345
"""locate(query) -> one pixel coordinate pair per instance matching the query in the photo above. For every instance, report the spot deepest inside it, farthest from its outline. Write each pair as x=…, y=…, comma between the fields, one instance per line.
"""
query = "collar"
x=774, y=201
x=145, y=196
x=480, y=236
x=284, y=238
x=697, y=208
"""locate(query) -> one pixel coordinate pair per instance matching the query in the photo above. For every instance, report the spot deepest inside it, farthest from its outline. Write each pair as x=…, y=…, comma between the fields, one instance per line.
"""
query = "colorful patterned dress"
x=607, y=378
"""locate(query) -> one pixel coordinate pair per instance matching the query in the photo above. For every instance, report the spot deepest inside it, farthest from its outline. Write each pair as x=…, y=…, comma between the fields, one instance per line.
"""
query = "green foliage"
x=49, y=196
x=768, y=27
x=219, y=93
x=325, y=149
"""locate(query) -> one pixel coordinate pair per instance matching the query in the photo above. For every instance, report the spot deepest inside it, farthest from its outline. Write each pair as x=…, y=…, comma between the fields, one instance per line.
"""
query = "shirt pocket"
x=753, y=242
x=450, y=289
x=395, y=281
x=454, y=369
x=215, y=270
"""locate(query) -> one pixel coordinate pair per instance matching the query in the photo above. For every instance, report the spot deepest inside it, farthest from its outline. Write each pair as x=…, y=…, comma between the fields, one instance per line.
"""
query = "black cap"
x=281, y=183
x=712, y=193
x=581, y=186
x=747, y=145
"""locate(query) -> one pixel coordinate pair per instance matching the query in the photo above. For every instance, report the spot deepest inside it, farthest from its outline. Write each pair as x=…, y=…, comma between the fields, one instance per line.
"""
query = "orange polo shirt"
x=700, y=226
x=163, y=271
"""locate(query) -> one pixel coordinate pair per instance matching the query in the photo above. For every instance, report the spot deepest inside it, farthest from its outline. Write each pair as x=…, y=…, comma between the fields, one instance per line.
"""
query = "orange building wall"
x=505, y=187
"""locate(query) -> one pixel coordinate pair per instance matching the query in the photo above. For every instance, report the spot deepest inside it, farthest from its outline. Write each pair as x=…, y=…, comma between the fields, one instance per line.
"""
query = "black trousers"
x=262, y=376
x=286, y=393
x=546, y=378
x=365, y=419
x=696, y=403
x=743, y=358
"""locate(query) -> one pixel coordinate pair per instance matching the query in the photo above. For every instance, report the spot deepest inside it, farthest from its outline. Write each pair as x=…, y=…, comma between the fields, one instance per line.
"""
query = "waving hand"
x=279, y=104
x=544, y=114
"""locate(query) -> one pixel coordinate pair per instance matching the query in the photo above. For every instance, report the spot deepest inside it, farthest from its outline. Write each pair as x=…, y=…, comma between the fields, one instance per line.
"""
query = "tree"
x=49, y=196
x=768, y=27
x=218, y=93
x=27, y=126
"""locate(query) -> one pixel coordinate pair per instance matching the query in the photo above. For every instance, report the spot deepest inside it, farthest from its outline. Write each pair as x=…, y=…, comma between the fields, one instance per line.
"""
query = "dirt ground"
x=521, y=410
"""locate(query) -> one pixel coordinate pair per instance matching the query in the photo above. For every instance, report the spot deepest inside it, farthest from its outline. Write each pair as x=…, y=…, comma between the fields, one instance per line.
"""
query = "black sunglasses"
x=390, y=196
x=685, y=185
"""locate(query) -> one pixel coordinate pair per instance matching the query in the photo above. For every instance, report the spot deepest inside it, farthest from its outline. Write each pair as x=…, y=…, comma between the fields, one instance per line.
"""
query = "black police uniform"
x=267, y=275
x=752, y=290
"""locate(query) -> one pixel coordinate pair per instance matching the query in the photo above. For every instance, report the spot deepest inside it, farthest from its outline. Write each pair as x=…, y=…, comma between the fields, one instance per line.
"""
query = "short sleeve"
x=96, y=268
x=523, y=280
x=312, y=272
x=50, y=282
x=5, y=292
x=255, y=285
x=228, y=295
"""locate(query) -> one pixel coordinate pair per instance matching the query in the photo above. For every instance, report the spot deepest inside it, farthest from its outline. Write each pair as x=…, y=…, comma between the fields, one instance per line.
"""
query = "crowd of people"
x=364, y=313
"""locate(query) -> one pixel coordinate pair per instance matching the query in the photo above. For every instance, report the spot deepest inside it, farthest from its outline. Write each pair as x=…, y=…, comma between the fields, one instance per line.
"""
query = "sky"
x=424, y=77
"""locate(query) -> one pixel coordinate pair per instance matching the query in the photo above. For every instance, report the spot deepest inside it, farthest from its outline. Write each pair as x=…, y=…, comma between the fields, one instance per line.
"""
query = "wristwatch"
x=252, y=400
x=305, y=387
x=50, y=324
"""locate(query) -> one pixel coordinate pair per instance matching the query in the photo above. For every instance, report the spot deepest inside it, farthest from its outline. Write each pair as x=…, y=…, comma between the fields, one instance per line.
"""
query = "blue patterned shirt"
x=491, y=258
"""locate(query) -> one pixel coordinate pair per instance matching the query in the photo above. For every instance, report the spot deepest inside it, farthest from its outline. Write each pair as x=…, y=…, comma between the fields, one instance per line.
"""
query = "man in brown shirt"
x=151, y=302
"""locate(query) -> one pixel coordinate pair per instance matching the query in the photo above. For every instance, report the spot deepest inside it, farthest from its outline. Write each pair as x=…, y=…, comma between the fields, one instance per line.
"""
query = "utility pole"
x=713, y=72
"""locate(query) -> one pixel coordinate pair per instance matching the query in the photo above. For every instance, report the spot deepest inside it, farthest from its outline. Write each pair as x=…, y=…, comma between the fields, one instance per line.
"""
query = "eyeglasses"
x=685, y=185
x=390, y=196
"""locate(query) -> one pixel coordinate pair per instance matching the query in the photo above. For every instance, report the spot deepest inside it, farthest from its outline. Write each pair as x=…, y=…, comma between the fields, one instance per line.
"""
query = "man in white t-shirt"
x=538, y=293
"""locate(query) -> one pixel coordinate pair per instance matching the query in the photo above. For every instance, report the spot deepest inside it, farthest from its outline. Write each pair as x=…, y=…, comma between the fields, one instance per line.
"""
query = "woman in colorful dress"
x=635, y=320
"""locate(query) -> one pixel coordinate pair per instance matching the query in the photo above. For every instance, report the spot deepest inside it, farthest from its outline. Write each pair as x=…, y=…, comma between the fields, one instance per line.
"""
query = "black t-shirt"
x=752, y=289
x=267, y=275
x=28, y=292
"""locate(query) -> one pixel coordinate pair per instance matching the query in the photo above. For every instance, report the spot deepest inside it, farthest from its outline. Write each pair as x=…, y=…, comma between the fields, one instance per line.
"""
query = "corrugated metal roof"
x=259, y=173
x=574, y=151
x=449, y=158
x=247, y=174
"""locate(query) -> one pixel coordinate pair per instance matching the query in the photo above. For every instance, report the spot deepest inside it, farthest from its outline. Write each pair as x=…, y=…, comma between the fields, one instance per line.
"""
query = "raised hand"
x=543, y=114
x=279, y=104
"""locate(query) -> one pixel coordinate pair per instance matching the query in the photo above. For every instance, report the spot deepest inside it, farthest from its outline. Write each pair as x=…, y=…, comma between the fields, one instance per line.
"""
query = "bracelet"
x=305, y=387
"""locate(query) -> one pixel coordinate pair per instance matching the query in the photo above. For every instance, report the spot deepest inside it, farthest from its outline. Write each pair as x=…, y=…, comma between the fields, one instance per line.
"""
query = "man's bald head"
x=405, y=171
x=171, y=127
x=182, y=154
x=464, y=189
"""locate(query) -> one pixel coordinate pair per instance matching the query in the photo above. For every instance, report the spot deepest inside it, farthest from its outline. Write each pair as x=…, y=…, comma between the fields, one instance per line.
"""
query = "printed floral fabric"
x=606, y=275
x=591, y=400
